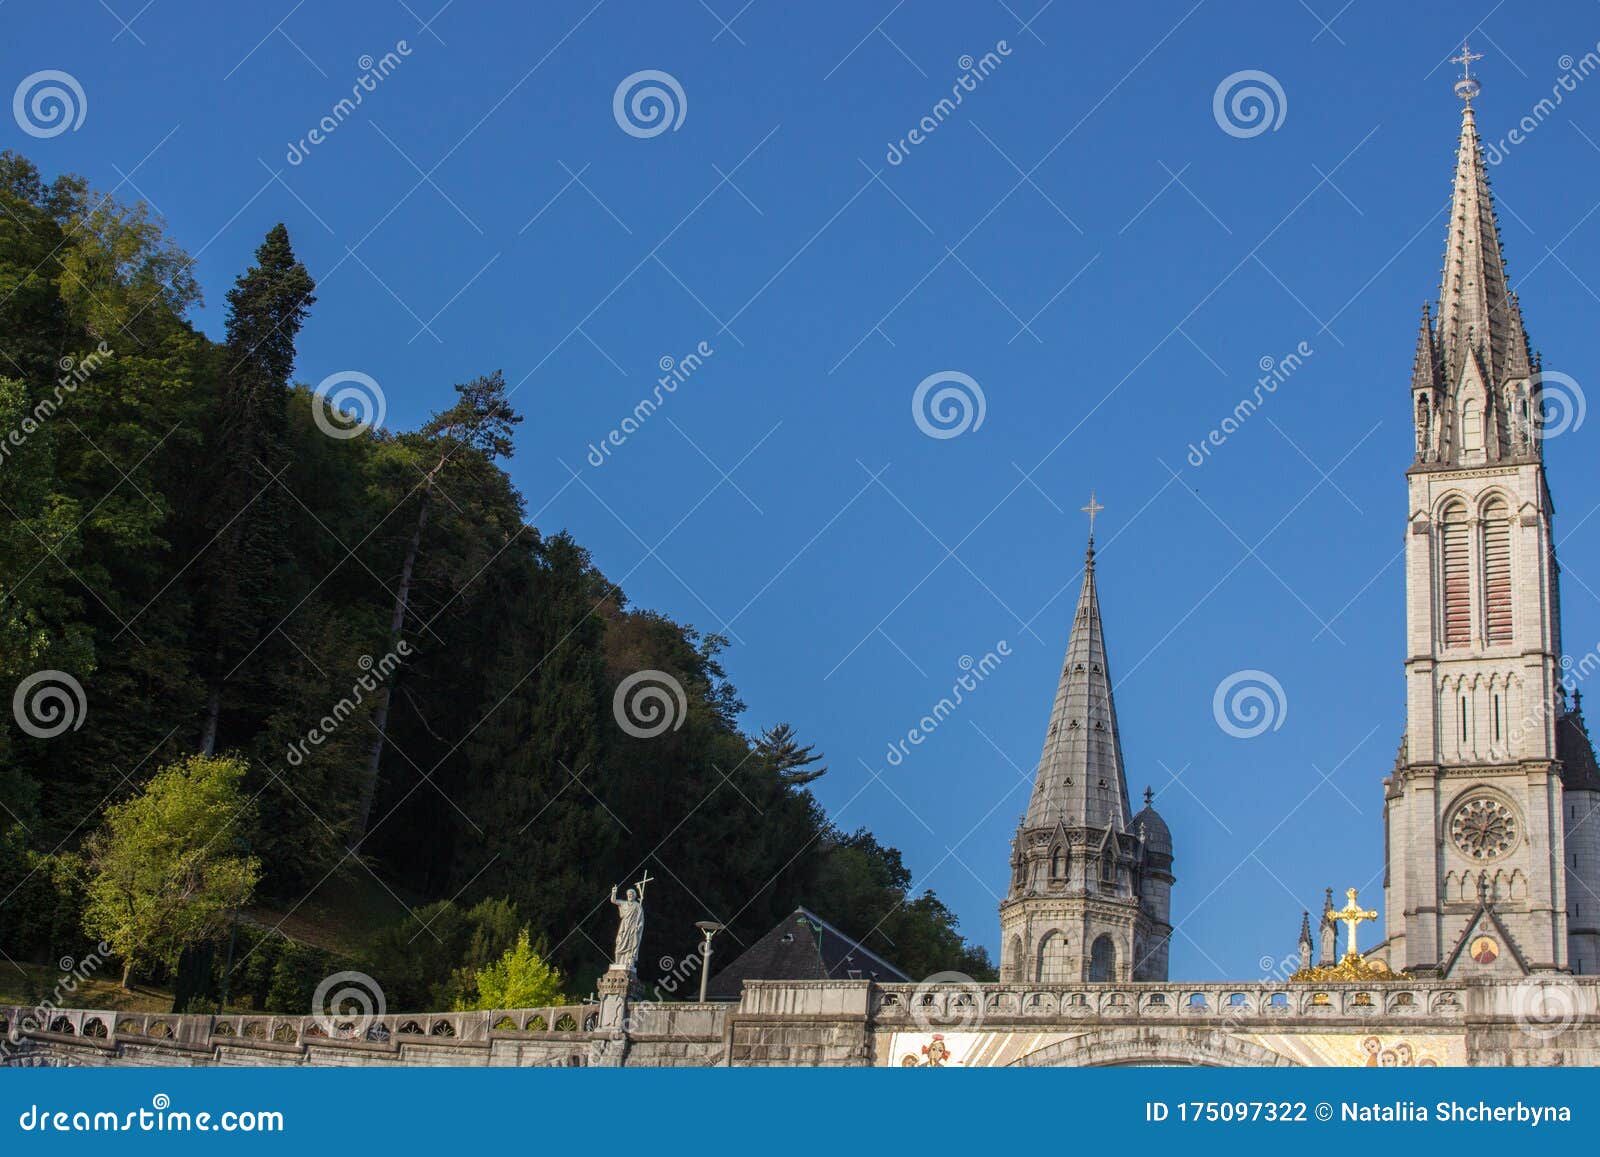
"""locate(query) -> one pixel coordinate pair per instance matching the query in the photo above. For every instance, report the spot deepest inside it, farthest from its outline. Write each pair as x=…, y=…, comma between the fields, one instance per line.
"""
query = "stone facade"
x=1495, y=767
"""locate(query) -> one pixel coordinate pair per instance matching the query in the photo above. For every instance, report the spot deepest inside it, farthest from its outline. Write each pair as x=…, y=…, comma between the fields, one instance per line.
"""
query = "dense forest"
x=400, y=680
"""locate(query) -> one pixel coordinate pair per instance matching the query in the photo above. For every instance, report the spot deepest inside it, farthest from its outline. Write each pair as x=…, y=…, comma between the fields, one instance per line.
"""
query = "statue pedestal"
x=609, y=1044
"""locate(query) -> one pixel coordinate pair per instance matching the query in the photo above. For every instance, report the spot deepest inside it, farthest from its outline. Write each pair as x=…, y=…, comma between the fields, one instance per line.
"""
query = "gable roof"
x=803, y=946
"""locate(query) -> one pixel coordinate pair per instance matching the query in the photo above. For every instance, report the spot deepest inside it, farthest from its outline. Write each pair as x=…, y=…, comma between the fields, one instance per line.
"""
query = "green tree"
x=522, y=978
x=165, y=870
x=244, y=539
x=790, y=760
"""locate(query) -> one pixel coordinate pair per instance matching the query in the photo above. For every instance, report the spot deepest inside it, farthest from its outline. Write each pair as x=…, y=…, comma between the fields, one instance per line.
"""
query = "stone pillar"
x=608, y=1044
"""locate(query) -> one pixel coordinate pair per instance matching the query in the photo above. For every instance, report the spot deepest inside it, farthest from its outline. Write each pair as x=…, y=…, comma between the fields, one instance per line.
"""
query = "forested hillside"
x=417, y=683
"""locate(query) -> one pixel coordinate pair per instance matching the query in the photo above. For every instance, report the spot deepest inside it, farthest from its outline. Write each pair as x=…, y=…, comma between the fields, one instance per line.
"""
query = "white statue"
x=630, y=929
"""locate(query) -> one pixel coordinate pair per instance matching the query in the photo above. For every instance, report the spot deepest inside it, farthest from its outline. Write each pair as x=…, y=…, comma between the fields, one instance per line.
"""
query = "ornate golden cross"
x=1465, y=60
x=1351, y=915
x=1091, y=510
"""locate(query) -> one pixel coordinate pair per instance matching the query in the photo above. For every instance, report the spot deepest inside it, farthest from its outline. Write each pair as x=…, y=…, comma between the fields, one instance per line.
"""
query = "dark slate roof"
x=1578, y=770
x=803, y=946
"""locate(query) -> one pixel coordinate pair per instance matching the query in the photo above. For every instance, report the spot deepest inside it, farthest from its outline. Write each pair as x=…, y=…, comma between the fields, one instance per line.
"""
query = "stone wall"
x=1553, y=1020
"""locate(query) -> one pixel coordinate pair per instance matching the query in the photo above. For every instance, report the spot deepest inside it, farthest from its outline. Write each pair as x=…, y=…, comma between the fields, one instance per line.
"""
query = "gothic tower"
x=1490, y=867
x=1090, y=887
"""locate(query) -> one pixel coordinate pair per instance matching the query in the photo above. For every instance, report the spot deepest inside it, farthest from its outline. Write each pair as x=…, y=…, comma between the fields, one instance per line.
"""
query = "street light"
x=708, y=928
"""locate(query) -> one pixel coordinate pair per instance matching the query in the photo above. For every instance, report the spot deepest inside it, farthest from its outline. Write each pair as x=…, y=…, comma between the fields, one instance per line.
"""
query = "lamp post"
x=708, y=928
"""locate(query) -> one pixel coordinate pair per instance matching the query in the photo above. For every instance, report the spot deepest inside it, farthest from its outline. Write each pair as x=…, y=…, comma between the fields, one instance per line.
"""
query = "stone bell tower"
x=1477, y=809
x=1089, y=898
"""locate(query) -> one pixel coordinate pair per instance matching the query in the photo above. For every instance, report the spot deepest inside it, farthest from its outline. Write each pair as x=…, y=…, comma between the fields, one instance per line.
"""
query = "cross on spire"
x=1466, y=87
x=1091, y=510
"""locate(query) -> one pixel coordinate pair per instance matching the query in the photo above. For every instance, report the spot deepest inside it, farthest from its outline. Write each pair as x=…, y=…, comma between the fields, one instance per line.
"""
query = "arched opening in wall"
x=1497, y=572
x=1455, y=566
x=1014, y=959
x=1058, y=864
x=1471, y=425
x=1102, y=959
x=1053, y=959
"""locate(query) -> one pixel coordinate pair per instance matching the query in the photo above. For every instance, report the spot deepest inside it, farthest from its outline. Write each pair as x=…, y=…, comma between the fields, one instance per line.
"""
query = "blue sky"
x=484, y=208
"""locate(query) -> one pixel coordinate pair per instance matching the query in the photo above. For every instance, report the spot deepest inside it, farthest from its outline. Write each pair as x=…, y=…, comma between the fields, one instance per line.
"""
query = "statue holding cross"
x=630, y=926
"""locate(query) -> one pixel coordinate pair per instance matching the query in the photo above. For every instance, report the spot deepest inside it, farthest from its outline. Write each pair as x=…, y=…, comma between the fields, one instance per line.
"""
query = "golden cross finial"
x=1351, y=915
x=1466, y=87
x=1091, y=510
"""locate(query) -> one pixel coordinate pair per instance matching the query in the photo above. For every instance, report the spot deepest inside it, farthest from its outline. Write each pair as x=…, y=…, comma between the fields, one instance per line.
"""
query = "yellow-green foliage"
x=522, y=978
x=169, y=865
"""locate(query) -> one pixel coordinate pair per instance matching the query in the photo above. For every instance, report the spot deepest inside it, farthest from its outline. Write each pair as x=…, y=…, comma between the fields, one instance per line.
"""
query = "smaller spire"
x=1305, y=928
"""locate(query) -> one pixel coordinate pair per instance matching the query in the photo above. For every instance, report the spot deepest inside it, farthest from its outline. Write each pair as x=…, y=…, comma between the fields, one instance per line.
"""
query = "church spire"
x=1476, y=311
x=1080, y=780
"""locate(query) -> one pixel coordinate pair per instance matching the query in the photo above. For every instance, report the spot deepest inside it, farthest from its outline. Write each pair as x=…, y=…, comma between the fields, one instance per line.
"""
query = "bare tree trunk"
x=127, y=971
x=380, y=714
x=208, y=732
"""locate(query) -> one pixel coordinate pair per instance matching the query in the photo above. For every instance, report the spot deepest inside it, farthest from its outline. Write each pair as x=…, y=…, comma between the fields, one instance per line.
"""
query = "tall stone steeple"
x=1491, y=788
x=1090, y=885
x=1080, y=778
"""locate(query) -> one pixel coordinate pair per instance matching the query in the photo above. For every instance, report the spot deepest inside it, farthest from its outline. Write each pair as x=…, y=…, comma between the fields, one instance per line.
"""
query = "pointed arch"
x=1497, y=601
x=1102, y=959
x=1456, y=575
x=1054, y=959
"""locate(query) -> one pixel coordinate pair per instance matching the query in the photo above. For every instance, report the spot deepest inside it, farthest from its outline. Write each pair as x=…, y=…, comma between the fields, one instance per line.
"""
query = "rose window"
x=1484, y=829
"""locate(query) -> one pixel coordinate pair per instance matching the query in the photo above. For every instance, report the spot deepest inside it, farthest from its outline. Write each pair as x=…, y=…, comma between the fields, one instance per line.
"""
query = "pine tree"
x=245, y=530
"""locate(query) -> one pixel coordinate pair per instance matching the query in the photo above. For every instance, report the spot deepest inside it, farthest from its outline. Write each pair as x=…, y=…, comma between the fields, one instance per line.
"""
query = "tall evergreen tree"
x=245, y=528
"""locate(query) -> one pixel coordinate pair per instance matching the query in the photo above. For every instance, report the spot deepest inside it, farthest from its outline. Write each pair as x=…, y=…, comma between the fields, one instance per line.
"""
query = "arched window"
x=1015, y=961
x=1058, y=864
x=1497, y=571
x=1053, y=963
x=1471, y=425
x=1108, y=867
x=1103, y=959
x=1456, y=567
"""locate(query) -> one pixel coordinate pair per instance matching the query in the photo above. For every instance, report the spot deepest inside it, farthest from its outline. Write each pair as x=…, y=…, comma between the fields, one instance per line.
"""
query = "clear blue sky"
x=1113, y=308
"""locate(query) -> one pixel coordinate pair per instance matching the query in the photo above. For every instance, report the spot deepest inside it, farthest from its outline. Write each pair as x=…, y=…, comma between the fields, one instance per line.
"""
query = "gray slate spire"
x=1080, y=780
